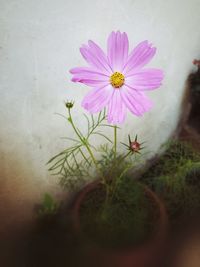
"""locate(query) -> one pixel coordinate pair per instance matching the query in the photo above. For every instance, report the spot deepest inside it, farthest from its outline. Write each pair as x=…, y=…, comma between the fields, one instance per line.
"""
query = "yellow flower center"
x=117, y=79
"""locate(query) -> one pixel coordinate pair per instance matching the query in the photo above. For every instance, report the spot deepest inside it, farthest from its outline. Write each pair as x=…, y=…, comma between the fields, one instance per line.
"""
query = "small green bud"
x=69, y=104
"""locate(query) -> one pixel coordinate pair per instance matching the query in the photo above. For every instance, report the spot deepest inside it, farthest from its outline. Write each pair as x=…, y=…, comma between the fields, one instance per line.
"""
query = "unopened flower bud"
x=69, y=104
x=135, y=146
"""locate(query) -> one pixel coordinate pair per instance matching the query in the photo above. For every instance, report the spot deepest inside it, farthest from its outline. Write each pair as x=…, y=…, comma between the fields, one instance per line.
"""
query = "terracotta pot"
x=145, y=255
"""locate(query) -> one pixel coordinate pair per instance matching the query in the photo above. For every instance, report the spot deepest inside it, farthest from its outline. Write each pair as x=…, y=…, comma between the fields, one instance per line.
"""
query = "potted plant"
x=122, y=221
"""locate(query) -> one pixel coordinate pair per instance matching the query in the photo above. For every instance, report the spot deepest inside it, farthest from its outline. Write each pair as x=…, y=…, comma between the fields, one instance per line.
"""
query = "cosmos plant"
x=118, y=79
x=118, y=83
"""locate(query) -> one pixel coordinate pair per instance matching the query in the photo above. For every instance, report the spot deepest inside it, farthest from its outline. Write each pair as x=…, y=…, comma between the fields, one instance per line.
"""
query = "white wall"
x=39, y=43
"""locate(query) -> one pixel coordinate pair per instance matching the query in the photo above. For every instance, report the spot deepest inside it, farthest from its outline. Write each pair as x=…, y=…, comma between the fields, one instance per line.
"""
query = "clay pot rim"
x=150, y=243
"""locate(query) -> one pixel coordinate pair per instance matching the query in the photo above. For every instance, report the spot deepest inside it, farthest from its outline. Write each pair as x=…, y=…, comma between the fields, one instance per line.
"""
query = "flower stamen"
x=117, y=79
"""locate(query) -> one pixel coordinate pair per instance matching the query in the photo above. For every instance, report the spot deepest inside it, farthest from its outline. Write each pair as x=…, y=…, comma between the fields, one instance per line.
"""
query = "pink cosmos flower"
x=118, y=79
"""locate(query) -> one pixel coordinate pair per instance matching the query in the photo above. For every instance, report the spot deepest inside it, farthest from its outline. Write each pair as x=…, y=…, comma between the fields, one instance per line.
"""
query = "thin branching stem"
x=126, y=155
x=115, y=142
x=82, y=139
x=115, y=185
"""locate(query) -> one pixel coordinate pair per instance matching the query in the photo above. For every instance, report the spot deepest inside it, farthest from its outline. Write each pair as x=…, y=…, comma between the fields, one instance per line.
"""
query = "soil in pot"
x=128, y=220
x=127, y=232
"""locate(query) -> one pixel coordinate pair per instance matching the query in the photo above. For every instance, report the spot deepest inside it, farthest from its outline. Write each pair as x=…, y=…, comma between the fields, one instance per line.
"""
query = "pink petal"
x=145, y=79
x=116, y=108
x=117, y=47
x=89, y=77
x=140, y=56
x=95, y=57
x=97, y=98
x=135, y=101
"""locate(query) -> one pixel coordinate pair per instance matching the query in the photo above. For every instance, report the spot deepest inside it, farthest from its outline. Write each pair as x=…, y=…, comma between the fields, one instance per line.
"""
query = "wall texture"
x=39, y=43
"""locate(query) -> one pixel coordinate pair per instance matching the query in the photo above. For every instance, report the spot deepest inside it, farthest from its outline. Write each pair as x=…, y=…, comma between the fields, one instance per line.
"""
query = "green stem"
x=91, y=154
x=119, y=180
x=83, y=140
x=115, y=184
x=73, y=126
x=126, y=155
x=85, y=143
x=115, y=142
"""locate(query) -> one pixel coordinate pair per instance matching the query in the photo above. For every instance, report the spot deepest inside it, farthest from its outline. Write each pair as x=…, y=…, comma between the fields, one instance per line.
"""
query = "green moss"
x=176, y=178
